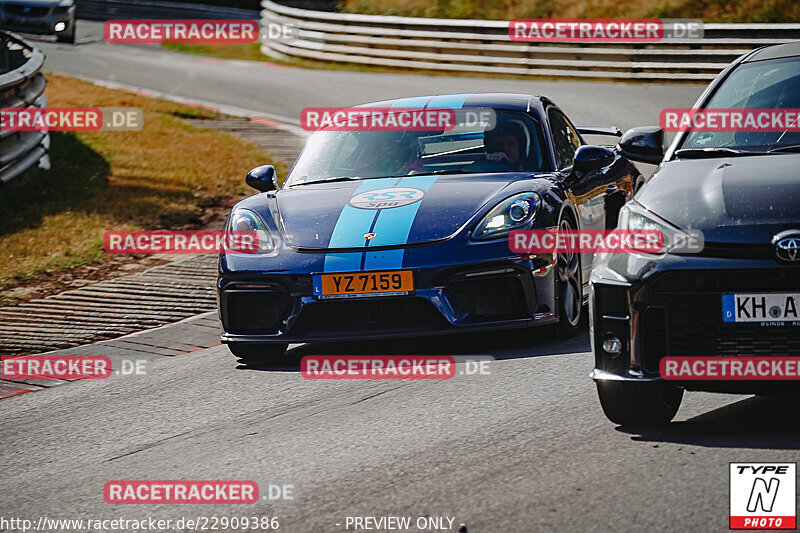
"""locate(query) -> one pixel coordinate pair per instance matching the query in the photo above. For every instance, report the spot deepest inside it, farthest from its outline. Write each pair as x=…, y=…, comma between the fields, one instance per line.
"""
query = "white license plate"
x=760, y=307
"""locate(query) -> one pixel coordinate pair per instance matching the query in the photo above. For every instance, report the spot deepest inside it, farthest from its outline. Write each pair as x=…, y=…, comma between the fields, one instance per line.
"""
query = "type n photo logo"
x=763, y=496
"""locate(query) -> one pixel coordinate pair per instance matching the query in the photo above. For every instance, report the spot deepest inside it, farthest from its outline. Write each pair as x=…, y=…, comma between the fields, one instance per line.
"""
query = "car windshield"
x=771, y=84
x=513, y=143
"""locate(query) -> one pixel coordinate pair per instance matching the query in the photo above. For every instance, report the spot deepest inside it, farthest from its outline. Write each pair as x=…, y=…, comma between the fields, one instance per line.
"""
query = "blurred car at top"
x=47, y=17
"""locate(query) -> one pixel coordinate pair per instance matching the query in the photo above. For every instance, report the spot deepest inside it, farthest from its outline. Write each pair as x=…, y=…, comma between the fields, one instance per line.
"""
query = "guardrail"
x=21, y=85
x=156, y=9
x=483, y=46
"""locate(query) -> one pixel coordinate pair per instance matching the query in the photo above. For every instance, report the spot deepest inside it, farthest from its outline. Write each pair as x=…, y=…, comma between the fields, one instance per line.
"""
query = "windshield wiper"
x=789, y=148
x=699, y=153
x=346, y=178
x=449, y=171
x=327, y=180
x=349, y=178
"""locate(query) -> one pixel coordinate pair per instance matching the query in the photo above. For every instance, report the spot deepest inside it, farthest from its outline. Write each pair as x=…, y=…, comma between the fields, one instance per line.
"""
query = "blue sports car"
x=378, y=234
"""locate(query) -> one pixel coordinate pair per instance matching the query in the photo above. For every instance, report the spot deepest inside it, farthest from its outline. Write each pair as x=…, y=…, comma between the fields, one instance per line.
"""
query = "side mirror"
x=645, y=144
x=263, y=178
x=589, y=157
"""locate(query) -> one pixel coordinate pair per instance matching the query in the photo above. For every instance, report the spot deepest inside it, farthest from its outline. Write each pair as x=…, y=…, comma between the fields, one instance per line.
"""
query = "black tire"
x=639, y=404
x=258, y=354
x=569, y=287
x=67, y=37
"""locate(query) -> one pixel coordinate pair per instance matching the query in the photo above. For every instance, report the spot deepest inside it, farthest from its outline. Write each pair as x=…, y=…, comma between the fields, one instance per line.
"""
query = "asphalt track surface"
x=525, y=448
x=283, y=92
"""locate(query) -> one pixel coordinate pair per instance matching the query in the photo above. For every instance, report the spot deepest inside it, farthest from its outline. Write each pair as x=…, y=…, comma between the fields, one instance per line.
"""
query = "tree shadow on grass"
x=78, y=174
x=79, y=181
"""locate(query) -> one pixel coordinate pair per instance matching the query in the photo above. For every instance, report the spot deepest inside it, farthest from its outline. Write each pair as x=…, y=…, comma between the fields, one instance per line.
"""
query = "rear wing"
x=600, y=130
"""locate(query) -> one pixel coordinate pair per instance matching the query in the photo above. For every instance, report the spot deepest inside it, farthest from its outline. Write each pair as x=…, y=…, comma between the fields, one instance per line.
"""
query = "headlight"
x=514, y=213
x=635, y=219
x=246, y=220
x=66, y=3
x=633, y=216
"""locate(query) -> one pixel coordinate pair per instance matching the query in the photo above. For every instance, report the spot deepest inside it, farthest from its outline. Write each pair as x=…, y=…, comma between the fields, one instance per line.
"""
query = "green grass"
x=156, y=178
x=246, y=51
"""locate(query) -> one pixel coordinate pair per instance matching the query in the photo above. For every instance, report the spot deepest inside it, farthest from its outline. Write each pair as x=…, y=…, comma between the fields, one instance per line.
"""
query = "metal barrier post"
x=21, y=84
x=4, y=62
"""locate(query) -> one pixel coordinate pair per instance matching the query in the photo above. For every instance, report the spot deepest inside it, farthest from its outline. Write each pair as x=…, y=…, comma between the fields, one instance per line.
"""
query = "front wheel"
x=639, y=404
x=258, y=354
x=569, y=287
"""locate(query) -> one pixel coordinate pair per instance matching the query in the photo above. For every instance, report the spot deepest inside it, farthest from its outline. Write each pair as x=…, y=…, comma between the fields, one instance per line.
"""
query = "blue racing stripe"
x=416, y=101
x=456, y=101
x=350, y=228
x=393, y=227
x=342, y=261
x=387, y=259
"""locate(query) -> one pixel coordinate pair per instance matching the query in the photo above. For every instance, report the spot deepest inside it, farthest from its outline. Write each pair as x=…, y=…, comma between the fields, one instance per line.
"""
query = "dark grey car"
x=49, y=17
x=740, y=189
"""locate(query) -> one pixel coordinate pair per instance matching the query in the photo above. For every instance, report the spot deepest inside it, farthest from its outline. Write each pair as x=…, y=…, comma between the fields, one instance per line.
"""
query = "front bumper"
x=449, y=298
x=671, y=306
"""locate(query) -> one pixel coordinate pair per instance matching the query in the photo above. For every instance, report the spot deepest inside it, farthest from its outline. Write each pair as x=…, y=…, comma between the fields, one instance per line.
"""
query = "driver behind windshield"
x=386, y=154
x=504, y=144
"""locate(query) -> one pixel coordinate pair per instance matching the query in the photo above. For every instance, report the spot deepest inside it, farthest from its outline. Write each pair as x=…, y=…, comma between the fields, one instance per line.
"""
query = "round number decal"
x=387, y=198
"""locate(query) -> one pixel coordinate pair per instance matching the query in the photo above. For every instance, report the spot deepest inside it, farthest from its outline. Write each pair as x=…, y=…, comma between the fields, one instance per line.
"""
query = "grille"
x=31, y=11
x=737, y=251
x=693, y=317
x=729, y=281
x=368, y=315
x=491, y=298
x=251, y=313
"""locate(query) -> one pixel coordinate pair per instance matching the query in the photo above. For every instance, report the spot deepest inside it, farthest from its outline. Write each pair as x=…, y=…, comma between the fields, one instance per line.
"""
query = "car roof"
x=776, y=51
x=511, y=101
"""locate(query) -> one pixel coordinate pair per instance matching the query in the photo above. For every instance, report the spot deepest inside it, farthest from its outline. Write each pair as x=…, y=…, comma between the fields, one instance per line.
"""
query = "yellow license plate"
x=355, y=284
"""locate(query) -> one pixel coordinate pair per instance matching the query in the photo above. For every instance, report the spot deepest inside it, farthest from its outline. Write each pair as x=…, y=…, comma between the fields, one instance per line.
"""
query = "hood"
x=399, y=211
x=744, y=199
